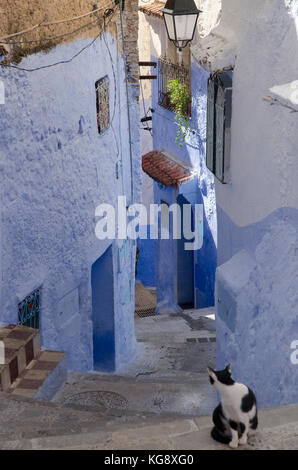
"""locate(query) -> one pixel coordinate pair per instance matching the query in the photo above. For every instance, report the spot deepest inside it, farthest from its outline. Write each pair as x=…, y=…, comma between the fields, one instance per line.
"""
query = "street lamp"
x=180, y=18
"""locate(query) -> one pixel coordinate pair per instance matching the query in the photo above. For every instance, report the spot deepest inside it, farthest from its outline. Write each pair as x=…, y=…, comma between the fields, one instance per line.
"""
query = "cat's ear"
x=228, y=369
x=211, y=371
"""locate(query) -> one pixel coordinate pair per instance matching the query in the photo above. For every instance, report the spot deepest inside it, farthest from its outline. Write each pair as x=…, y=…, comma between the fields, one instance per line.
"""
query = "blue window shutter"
x=220, y=131
x=228, y=119
x=219, y=116
x=227, y=81
x=210, y=161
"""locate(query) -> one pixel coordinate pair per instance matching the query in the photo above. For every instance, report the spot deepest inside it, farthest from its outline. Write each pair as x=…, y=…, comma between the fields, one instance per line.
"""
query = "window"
x=28, y=310
x=102, y=88
x=168, y=70
x=219, y=116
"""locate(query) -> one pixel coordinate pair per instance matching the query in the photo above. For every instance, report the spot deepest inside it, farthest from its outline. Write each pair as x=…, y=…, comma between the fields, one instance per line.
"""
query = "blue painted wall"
x=146, y=261
x=257, y=277
x=55, y=170
x=257, y=304
x=200, y=190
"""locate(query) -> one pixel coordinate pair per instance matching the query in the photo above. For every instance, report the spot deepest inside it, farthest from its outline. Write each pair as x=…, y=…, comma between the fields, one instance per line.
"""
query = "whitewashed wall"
x=259, y=38
x=256, y=282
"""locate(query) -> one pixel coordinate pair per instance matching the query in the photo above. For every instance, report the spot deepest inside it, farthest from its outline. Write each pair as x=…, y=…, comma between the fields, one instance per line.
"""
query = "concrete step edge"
x=96, y=436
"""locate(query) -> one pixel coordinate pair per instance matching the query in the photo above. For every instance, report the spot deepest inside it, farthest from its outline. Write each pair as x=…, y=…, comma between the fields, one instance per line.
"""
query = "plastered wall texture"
x=259, y=41
x=256, y=297
x=256, y=281
x=55, y=169
x=21, y=15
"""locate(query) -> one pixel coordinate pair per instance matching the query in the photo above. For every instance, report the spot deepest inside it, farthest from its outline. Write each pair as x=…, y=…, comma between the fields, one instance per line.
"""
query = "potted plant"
x=180, y=100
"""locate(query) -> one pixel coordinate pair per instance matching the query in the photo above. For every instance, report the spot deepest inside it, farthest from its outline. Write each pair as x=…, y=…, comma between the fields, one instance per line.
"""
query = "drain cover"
x=98, y=399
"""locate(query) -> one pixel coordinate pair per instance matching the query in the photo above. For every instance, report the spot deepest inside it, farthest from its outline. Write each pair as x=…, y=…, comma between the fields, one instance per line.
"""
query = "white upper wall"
x=259, y=38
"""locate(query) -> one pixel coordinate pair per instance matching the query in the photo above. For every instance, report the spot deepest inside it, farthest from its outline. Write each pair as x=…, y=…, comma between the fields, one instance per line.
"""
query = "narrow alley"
x=168, y=374
x=149, y=225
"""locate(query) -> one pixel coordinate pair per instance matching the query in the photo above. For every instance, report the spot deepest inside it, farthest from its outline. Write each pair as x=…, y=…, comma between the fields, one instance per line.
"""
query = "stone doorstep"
x=22, y=344
x=35, y=374
x=178, y=338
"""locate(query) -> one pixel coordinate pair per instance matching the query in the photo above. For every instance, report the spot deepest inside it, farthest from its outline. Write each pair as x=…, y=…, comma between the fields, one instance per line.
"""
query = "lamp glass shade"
x=180, y=18
x=169, y=20
x=185, y=25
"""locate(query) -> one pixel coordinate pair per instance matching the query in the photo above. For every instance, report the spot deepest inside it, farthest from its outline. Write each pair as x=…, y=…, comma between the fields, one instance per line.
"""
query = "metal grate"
x=29, y=309
x=145, y=301
x=102, y=88
x=167, y=71
x=145, y=312
x=98, y=399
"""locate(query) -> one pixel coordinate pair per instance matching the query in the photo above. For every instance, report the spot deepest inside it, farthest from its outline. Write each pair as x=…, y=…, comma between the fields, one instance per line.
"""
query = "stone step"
x=185, y=395
x=21, y=346
x=123, y=436
x=171, y=329
x=74, y=429
x=23, y=419
x=42, y=377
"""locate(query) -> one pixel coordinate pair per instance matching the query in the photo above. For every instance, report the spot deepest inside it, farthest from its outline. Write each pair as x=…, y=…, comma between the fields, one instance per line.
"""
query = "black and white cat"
x=236, y=416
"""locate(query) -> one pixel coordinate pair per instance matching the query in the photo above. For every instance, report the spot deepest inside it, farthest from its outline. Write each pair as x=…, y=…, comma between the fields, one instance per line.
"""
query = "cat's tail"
x=219, y=437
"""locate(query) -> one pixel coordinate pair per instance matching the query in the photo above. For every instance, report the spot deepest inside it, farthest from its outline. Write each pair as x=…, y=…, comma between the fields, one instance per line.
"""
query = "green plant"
x=180, y=99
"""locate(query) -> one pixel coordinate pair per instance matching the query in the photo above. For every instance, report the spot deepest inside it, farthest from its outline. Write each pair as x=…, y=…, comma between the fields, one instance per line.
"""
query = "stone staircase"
x=28, y=370
x=30, y=424
x=158, y=402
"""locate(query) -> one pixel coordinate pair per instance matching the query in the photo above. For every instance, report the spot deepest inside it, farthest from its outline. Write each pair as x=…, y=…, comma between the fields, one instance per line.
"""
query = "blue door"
x=102, y=283
x=185, y=266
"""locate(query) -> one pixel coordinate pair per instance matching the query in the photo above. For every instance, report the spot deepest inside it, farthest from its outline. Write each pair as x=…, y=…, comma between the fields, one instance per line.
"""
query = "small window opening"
x=102, y=88
x=29, y=310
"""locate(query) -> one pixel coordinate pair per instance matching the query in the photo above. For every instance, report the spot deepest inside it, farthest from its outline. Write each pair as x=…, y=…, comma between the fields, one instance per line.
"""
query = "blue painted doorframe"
x=103, y=315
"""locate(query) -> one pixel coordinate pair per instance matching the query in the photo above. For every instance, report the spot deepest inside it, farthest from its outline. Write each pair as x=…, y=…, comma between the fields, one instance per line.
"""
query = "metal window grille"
x=167, y=71
x=102, y=88
x=29, y=310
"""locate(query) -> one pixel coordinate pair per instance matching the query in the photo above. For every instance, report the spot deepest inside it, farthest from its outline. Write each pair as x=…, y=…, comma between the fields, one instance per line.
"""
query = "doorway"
x=102, y=283
x=185, y=266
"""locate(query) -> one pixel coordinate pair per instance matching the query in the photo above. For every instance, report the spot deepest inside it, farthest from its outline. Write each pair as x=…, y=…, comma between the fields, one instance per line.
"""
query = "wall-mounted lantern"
x=180, y=18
